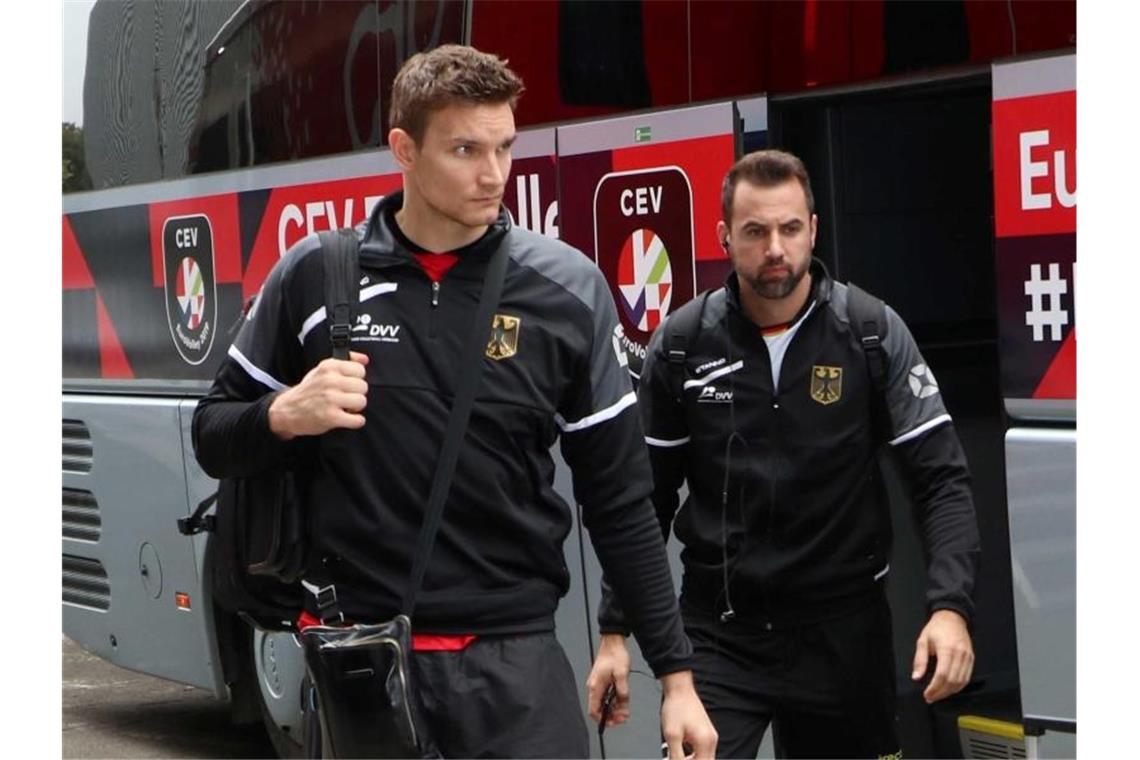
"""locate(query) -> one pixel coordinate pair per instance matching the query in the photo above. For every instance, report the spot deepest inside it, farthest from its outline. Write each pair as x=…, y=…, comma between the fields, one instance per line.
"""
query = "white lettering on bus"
x=294, y=219
x=288, y=214
x=1030, y=170
x=530, y=207
x=639, y=205
x=186, y=237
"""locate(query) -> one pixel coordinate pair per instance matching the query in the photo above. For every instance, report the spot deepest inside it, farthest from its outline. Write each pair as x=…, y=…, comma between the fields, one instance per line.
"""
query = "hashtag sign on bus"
x=1052, y=289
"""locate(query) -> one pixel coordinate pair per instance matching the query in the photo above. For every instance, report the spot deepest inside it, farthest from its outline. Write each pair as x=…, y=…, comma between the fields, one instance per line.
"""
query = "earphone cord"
x=729, y=612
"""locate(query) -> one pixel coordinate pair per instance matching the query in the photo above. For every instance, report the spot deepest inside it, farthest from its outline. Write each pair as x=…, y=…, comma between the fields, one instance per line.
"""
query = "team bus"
x=941, y=140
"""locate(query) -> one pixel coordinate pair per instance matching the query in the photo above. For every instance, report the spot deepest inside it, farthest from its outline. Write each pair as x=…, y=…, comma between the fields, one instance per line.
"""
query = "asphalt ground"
x=109, y=712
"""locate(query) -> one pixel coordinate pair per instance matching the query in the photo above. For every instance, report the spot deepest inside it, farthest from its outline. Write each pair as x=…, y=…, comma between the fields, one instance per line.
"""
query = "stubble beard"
x=775, y=290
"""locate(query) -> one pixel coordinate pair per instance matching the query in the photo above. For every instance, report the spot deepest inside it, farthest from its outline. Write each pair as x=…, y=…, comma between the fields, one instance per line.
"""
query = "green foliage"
x=74, y=169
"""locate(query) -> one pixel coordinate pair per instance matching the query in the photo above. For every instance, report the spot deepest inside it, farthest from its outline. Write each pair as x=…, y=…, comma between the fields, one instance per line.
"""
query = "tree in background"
x=74, y=169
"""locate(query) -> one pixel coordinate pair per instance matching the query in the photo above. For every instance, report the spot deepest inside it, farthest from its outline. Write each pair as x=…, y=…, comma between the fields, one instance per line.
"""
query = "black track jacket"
x=807, y=520
x=497, y=565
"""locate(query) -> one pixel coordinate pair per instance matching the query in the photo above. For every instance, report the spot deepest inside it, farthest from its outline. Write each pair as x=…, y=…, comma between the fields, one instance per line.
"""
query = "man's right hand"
x=684, y=720
x=332, y=395
x=610, y=666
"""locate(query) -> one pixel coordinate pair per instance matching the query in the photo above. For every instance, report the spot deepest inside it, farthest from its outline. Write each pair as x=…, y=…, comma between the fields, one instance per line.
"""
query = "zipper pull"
x=435, y=294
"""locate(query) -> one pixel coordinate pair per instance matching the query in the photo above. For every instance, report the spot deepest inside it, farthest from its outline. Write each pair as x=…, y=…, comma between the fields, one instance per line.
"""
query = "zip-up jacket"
x=497, y=565
x=806, y=525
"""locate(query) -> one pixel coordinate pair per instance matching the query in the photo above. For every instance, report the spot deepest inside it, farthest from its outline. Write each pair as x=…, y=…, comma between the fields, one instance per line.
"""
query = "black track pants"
x=504, y=696
x=827, y=689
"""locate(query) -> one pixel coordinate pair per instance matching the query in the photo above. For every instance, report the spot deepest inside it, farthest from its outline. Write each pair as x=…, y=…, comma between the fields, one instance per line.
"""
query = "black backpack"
x=258, y=553
x=865, y=312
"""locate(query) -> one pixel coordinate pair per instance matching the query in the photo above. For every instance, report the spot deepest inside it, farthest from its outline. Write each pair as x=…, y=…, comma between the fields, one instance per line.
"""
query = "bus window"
x=300, y=80
x=170, y=89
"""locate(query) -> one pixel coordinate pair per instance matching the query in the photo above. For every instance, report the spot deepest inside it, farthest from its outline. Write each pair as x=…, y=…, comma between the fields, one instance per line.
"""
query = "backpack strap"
x=342, y=274
x=199, y=521
x=341, y=257
x=868, y=317
x=681, y=331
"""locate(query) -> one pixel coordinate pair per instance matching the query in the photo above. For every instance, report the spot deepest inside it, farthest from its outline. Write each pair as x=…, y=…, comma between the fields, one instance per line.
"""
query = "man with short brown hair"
x=771, y=398
x=493, y=678
x=764, y=168
x=446, y=75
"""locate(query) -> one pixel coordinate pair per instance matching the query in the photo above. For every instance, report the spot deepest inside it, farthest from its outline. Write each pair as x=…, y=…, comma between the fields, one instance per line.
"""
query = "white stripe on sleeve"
x=914, y=433
x=664, y=444
x=378, y=289
x=319, y=315
x=256, y=373
x=608, y=413
x=314, y=319
x=714, y=375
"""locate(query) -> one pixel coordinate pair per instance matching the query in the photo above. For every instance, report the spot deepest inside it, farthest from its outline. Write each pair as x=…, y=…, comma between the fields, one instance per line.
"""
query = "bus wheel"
x=279, y=666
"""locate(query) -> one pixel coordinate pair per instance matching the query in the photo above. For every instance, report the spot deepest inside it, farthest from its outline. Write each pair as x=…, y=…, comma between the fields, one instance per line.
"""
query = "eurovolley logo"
x=191, y=293
x=645, y=279
x=643, y=245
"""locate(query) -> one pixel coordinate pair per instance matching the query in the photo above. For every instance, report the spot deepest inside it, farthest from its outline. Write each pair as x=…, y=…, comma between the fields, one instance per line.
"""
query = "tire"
x=278, y=667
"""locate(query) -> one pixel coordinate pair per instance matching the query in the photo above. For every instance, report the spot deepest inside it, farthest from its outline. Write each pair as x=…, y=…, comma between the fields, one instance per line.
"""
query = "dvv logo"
x=645, y=279
x=711, y=395
x=191, y=292
x=368, y=330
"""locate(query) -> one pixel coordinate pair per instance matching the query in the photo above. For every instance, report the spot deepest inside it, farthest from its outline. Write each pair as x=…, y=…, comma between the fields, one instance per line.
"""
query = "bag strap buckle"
x=328, y=608
x=189, y=526
x=340, y=334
